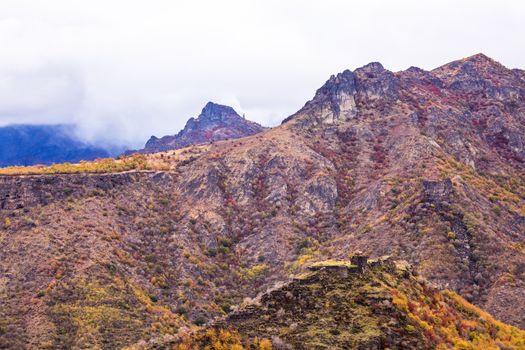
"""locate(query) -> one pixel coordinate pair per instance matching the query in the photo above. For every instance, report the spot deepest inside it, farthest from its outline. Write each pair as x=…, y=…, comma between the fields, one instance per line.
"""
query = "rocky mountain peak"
x=336, y=100
x=478, y=68
x=372, y=85
x=333, y=102
x=341, y=83
x=349, y=82
x=481, y=59
x=214, y=111
x=478, y=62
x=371, y=68
x=215, y=122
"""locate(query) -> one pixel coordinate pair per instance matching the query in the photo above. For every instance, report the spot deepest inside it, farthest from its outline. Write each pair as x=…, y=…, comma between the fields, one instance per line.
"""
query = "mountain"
x=425, y=166
x=216, y=122
x=43, y=144
x=378, y=304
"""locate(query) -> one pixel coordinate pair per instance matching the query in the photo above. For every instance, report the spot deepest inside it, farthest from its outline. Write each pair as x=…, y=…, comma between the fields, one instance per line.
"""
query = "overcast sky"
x=124, y=70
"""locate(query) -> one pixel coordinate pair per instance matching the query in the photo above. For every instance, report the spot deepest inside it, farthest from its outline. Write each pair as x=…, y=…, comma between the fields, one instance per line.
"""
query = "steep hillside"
x=424, y=166
x=43, y=144
x=216, y=122
x=374, y=305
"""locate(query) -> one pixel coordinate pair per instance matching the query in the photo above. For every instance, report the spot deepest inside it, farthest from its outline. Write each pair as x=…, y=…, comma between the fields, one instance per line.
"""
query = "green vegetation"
x=501, y=192
x=253, y=273
x=387, y=305
x=106, y=312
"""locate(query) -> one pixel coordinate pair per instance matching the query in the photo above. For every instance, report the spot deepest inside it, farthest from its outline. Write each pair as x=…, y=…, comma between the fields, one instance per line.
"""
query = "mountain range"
x=261, y=242
x=44, y=144
x=51, y=144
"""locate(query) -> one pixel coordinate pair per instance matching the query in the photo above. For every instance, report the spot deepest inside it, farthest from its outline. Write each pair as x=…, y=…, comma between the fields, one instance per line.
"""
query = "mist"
x=125, y=70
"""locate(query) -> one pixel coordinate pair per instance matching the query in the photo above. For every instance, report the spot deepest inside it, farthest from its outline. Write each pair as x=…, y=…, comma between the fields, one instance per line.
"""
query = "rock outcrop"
x=381, y=305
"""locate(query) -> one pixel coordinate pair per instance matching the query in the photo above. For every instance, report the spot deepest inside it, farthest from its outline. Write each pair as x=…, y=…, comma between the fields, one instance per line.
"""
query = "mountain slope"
x=423, y=166
x=339, y=306
x=43, y=144
x=216, y=122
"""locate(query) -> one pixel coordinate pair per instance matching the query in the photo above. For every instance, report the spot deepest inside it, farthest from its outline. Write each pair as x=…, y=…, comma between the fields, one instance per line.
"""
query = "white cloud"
x=125, y=69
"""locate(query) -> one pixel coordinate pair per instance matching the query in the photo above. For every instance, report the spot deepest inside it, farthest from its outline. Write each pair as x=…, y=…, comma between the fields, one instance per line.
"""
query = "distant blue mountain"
x=44, y=144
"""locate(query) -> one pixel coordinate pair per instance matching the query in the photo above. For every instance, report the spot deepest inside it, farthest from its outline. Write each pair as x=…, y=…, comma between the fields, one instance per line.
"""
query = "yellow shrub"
x=265, y=344
x=254, y=272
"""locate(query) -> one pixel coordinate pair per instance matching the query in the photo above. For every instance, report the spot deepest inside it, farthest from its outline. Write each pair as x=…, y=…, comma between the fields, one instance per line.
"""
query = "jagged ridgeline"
x=424, y=166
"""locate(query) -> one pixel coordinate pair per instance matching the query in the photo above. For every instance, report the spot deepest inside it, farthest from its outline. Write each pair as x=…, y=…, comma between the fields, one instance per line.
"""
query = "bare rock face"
x=436, y=192
x=335, y=102
x=216, y=122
